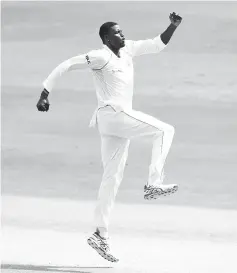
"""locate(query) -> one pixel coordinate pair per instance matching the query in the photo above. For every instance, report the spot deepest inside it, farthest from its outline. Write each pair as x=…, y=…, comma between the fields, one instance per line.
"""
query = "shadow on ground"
x=48, y=268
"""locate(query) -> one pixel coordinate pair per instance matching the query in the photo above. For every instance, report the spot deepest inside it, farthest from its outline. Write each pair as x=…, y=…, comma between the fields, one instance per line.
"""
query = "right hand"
x=43, y=103
x=175, y=19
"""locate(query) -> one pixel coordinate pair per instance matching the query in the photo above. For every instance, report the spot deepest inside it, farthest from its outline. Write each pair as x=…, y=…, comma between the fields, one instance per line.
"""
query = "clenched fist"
x=43, y=103
x=175, y=19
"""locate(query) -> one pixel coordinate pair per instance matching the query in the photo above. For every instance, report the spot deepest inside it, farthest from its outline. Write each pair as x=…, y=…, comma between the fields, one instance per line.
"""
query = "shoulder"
x=129, y=46
x=97, y=57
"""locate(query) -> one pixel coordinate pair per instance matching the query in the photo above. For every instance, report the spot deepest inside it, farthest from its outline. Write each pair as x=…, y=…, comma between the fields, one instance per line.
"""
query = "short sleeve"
x=148, y=46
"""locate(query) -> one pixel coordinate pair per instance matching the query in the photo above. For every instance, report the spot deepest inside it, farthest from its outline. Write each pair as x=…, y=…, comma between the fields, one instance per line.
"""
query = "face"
x=115, y=37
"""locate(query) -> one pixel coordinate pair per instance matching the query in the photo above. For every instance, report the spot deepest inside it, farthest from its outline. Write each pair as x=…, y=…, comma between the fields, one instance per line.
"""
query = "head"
x=112, y=35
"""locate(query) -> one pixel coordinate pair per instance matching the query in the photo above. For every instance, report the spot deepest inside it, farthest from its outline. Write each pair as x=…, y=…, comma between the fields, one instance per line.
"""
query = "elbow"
x=164, y=38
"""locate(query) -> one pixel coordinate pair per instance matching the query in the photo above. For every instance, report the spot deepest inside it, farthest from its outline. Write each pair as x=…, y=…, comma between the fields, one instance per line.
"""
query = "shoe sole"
x=101, y=252
x=160, y=193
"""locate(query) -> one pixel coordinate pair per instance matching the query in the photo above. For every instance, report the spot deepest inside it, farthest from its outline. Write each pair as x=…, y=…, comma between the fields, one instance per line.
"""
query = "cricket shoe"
x=154, y=192
x=101, y=245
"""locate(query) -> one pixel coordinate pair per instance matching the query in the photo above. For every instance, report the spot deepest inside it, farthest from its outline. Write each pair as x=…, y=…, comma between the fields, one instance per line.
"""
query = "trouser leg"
x=114, y=151
x=161, y=146
x=116, y=129
x=133, y=124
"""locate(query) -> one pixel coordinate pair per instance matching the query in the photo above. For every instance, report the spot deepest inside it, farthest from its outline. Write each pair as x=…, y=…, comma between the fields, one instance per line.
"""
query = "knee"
x=170, y=130
x=167, y=130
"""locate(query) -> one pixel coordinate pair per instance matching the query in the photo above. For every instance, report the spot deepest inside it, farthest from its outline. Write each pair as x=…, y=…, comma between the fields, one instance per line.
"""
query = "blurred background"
x=191, y=85
x=51, y=166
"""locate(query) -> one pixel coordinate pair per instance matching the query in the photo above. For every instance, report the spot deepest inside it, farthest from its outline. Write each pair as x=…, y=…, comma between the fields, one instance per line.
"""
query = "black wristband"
x=44, y=94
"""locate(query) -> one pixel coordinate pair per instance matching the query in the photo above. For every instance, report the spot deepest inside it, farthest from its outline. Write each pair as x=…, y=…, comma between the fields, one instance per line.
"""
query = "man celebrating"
x=117, y=122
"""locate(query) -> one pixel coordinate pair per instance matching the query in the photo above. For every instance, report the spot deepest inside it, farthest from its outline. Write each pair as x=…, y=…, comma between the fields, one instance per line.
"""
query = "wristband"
x=44, y=94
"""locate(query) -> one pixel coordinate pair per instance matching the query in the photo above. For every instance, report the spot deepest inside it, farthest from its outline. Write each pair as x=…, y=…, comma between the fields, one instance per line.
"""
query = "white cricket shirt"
x=113, y=76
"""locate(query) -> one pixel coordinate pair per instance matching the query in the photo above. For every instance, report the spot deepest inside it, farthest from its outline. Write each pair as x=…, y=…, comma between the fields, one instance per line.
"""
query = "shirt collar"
x=110, y=51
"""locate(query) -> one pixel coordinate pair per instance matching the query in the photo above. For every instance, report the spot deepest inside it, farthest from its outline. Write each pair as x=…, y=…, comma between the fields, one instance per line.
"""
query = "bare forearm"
x=168, y=33
x=175, y=20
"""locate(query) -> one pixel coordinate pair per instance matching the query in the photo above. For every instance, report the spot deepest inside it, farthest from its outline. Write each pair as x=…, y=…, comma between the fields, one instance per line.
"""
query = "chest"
x=124, y=64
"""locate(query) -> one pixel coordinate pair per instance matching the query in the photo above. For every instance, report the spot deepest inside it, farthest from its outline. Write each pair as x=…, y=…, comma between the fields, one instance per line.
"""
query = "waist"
x=117, y=106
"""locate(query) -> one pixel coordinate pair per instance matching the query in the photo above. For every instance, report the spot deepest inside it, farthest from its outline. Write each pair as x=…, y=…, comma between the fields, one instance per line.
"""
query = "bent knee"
x=166, y=129
x=172, y=130
x=169, y=130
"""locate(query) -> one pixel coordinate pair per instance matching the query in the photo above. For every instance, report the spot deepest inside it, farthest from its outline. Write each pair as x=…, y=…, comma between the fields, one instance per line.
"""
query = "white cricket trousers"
x=116, y=130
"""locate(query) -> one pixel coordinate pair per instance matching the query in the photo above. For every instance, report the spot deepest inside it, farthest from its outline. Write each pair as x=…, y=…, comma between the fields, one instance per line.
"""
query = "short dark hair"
x=104, y=29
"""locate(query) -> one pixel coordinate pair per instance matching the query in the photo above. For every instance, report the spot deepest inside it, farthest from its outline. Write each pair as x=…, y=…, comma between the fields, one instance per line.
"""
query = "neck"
x=115, y=50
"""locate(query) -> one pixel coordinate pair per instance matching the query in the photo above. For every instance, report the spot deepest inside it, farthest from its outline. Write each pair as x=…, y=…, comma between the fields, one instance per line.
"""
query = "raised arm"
x=94, y=60
x=156, y=44
x=175, y=20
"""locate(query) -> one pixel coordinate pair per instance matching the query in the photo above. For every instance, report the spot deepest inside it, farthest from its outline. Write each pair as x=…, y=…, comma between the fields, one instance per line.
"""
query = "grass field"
x=51, y=166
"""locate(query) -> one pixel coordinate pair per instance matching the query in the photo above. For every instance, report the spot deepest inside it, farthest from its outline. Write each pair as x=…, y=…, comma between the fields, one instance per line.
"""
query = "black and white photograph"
x=118, y=136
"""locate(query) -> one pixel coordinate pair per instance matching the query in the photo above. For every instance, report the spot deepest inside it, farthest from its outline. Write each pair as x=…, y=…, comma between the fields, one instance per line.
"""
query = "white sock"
x=102, y=232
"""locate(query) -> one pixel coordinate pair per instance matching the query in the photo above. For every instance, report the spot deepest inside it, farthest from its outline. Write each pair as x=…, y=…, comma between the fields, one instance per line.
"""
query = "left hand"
x=175, y=19
x=43, y=105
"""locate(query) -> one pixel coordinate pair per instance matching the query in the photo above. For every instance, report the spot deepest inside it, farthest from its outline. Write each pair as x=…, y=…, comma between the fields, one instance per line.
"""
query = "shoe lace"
x=152, y=188
x=103, y=243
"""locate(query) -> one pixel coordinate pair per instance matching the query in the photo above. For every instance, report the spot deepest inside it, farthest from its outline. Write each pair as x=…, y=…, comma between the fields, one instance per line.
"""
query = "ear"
x=106, y=37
